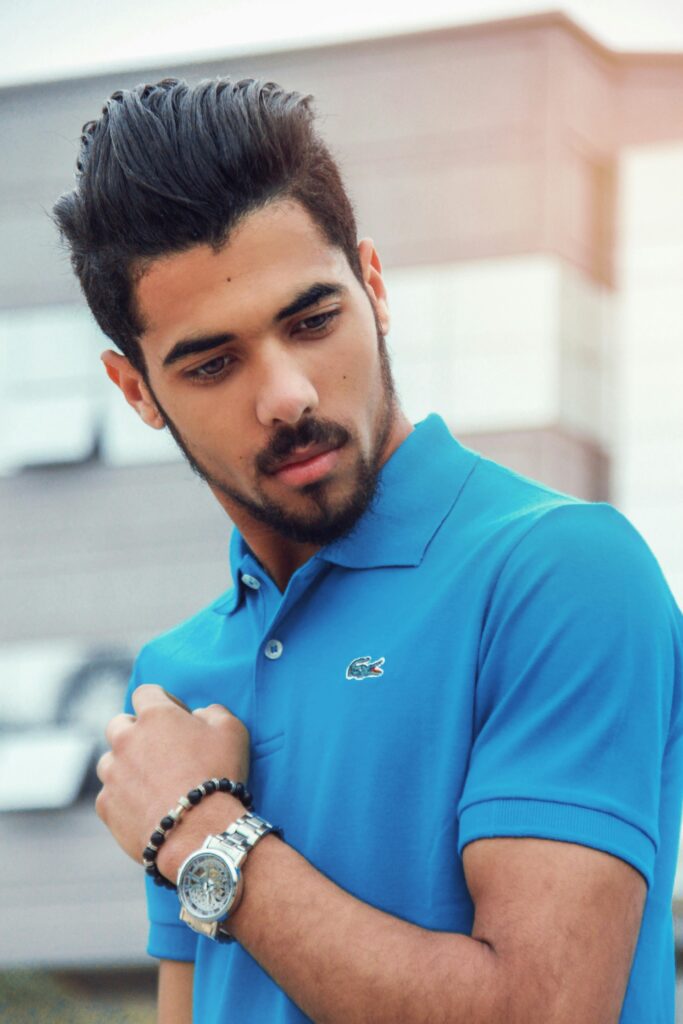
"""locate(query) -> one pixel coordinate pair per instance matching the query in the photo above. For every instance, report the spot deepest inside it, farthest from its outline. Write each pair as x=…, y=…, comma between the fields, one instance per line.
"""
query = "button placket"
x=273, y=648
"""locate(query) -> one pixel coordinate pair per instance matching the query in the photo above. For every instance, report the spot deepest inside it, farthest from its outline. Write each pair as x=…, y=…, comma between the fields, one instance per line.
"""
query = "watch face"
x=208, y=885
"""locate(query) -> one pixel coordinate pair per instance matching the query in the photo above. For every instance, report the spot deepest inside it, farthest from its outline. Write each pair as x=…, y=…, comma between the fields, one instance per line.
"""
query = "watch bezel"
x=233, y=871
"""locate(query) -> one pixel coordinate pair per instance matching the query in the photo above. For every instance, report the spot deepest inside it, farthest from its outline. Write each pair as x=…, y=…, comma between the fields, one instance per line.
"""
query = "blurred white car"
x=55, y=701
x=58, y=863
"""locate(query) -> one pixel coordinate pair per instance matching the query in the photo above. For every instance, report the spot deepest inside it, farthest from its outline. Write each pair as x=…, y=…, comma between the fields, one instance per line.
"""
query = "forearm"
x=174, y=1004
x=342, y=960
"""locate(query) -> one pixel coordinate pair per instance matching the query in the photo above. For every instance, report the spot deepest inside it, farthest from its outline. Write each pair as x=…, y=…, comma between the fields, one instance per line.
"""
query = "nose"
x=285, y=392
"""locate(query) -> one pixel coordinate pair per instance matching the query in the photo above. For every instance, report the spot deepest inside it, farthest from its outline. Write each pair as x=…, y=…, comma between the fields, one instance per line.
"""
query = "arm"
x=555, y=927
x=175, y=992
x=554, y=934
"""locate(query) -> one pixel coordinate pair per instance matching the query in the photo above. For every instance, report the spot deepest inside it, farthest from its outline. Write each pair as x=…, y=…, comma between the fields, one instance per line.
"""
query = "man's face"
x=267, y=361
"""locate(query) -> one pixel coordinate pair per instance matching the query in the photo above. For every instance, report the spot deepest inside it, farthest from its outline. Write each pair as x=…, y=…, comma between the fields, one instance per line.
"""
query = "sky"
x=50, y=39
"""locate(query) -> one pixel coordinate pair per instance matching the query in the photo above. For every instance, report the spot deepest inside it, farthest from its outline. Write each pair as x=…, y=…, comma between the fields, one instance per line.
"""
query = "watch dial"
x=207, y=887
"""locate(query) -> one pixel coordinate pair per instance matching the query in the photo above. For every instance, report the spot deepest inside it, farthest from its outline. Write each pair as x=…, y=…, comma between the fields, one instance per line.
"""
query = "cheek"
x=354, y=367
x=208, y=416
x=213, y=435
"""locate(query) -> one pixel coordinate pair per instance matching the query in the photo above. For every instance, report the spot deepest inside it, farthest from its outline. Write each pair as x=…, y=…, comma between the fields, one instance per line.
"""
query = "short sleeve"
x=169, y=938
x=574, y=689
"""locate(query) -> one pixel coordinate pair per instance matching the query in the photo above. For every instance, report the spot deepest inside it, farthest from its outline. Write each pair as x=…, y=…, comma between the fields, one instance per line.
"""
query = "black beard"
x=327, y=523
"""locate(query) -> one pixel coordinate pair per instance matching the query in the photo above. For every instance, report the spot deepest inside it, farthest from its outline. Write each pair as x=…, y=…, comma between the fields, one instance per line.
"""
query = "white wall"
x=55, y=399
x=648, y=453
x=478, y=341
x=526, y=342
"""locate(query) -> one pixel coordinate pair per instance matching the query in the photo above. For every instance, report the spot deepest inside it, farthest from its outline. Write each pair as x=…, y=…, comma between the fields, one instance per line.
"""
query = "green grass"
x=95, y=997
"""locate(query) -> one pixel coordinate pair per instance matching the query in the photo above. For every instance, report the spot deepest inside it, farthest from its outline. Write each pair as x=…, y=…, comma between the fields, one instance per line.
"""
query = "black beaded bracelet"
x=185, y=803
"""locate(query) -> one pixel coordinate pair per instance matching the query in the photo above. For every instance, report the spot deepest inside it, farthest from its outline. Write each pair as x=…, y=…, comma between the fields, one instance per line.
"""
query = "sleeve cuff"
x=569, y=823
x=172, y=942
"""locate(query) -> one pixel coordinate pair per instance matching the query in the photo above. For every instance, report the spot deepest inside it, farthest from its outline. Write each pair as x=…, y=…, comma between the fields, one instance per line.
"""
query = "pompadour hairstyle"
x=168, y=166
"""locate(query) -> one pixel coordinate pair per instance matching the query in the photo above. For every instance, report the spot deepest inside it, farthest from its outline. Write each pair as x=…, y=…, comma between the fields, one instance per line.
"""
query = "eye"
x=213, y=370
x=317, y=323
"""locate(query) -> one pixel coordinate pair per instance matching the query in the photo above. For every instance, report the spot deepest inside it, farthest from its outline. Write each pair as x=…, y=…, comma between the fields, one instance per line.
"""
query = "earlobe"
x=147, y=408
x=150, y=415
x=131, y=383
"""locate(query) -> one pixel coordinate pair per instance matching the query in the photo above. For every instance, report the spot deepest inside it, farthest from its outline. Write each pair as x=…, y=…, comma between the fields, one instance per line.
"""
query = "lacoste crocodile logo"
x=362, y=668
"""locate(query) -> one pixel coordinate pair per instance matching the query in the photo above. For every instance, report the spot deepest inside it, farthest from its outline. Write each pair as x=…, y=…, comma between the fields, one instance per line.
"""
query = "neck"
x=278, y=555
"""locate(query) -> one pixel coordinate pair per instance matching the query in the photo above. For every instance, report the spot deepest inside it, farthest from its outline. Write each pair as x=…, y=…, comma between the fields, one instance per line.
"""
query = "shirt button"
x=273, y=649
x=251, y=581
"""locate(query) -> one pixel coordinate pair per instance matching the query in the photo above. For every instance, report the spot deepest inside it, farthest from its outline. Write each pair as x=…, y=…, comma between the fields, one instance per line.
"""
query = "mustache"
x=308, y=432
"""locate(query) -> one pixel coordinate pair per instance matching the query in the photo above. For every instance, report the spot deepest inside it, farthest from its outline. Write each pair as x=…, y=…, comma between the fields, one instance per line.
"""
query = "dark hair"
x=169, y=166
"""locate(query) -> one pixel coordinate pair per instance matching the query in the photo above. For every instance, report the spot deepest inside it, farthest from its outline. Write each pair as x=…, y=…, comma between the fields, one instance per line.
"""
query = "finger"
x=117, y=726
x=213, y=712
x=178, y=701
x=146, y=696
x=104, y=766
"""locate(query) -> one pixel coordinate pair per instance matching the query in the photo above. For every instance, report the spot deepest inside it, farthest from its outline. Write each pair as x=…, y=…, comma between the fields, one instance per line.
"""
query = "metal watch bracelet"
x=236, y=842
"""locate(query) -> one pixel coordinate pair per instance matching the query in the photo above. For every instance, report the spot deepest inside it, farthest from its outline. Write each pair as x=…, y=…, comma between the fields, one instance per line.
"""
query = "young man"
x=456, y=690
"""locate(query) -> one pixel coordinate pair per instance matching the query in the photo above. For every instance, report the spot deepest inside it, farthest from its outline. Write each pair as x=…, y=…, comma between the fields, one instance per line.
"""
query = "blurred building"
x=522, y=185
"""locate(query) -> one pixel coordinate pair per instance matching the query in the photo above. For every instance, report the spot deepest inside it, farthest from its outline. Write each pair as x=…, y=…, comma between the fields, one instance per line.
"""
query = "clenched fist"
x=159, y=754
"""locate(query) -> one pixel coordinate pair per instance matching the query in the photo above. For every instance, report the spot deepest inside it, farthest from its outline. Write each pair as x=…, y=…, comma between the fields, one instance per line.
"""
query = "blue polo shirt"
x=494, y=656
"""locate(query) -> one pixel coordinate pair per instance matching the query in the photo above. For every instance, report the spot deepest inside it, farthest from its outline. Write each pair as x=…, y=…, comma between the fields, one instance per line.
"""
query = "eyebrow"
x=303, y=300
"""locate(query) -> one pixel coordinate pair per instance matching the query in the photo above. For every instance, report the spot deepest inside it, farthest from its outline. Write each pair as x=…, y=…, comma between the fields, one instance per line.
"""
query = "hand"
x=159, y=754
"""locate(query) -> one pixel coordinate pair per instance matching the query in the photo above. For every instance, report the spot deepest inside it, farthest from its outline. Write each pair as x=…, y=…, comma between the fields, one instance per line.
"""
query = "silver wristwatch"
x=210, y=879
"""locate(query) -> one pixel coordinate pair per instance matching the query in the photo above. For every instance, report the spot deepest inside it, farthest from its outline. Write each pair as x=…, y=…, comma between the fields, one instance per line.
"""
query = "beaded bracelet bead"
x=185, y=803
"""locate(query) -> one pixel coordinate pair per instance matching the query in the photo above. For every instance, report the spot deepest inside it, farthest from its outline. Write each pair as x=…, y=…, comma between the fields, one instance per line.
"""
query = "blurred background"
x=520, y=172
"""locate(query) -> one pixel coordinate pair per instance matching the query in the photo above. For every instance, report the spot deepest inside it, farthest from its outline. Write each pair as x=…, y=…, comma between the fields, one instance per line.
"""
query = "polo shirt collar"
x=240, y=562
x=416, y=490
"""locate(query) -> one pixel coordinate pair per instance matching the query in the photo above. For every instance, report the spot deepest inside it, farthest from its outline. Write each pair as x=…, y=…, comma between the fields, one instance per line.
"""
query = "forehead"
x=271, y=253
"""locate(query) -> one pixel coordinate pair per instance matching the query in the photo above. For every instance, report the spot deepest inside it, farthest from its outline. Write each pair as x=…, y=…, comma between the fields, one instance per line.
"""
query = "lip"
x=308, y=465
x=311, y=451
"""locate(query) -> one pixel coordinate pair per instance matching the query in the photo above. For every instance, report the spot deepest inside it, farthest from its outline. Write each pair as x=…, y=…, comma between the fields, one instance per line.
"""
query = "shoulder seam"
x=544, y=511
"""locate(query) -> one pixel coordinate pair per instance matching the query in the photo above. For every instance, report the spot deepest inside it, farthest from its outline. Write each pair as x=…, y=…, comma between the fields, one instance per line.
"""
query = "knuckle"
x=103, y=766
x=148, y=695
x=122, y=739
x=232, y=726
x=100, y=805
x=152, y=713
x=213, y=713
x=116, y=730
x=147, y=688
x=219, y=711
x=241, y=728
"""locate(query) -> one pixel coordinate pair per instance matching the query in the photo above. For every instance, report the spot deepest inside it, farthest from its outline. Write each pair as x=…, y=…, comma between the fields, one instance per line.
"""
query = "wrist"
x=254, y=868
x=210, y=817
x=210, y=881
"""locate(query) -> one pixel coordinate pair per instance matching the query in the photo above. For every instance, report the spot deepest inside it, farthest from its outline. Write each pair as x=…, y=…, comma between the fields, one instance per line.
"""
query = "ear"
x=132, y=384
x=374, y=282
